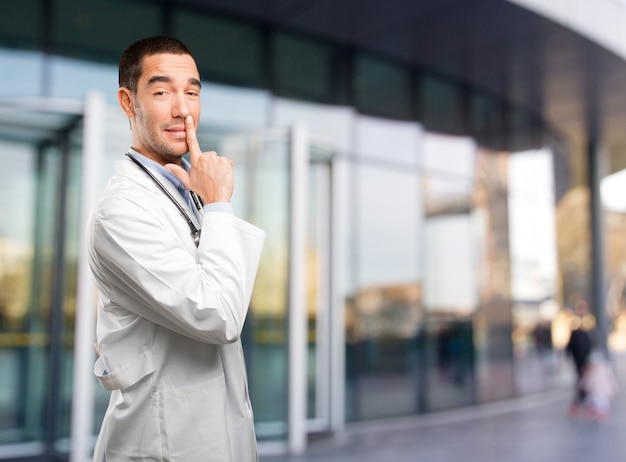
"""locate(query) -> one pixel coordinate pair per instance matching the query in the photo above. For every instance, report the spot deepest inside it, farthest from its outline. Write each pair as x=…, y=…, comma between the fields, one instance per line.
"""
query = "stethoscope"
x=195, y=232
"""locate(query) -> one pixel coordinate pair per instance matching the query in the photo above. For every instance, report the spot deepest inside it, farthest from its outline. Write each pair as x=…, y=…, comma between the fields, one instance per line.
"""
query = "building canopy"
x=573, y=84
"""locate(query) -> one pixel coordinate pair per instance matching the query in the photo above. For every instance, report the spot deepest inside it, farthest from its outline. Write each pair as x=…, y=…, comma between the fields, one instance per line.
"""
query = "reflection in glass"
x=492, y=320
x=534, y=281
x=450, y=275
x=262, y=197
x=384, y=312
x=22, y=339
x=69, y=263
x=449, y=300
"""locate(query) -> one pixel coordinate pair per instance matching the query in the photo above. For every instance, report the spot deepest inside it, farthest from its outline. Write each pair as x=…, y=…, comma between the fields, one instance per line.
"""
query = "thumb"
x=179, y=173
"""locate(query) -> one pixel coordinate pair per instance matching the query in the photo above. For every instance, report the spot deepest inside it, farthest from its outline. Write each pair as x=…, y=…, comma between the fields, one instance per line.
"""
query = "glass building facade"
x=427, y=275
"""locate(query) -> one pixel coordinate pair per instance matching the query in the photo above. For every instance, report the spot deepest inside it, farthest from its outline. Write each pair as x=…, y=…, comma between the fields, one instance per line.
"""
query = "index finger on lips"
x=192, y=139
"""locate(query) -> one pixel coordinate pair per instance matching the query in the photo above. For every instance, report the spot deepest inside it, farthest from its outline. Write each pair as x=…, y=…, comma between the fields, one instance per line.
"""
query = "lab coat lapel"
x=127, y=168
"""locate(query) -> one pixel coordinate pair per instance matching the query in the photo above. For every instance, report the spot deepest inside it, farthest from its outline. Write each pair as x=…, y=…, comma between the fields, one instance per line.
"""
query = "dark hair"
x=130, y=67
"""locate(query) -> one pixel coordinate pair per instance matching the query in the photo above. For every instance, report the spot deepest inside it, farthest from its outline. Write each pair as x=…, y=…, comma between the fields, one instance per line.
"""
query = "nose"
x=180, y=106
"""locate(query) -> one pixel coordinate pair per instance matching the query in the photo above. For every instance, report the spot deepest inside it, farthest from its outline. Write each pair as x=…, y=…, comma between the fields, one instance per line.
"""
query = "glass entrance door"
x=265, y=193
x=22, y=340
x=38, y=218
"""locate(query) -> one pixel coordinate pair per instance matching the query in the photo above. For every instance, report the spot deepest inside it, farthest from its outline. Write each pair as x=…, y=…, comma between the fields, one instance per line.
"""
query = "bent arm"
x=144, y=267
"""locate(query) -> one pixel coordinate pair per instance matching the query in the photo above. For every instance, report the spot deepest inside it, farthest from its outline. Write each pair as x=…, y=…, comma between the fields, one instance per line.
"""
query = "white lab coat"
x=170, y=317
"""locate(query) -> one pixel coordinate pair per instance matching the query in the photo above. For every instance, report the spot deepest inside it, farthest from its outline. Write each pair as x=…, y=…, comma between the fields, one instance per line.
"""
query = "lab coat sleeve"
x=143, y=265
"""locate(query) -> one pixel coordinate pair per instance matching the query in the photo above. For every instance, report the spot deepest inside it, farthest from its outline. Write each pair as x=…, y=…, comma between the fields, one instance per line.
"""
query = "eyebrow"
x=167, y=79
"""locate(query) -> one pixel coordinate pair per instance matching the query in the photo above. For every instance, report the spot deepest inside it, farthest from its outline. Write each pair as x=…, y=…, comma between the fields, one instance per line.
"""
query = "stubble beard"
x=150, y=138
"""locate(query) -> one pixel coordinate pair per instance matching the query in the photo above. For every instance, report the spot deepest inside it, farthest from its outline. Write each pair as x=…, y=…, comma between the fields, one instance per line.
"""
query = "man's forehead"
x=166, y=67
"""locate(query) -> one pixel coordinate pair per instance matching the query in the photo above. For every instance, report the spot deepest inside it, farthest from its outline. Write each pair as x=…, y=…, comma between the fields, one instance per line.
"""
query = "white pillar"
x=298, y=322
x=83, y=379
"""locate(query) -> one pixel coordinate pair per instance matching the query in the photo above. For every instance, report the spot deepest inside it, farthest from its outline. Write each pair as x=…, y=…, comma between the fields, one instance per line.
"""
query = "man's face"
x=167, y=91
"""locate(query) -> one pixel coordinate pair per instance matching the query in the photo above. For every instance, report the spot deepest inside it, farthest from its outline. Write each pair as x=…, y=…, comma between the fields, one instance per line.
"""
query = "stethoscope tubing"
x=195, y=232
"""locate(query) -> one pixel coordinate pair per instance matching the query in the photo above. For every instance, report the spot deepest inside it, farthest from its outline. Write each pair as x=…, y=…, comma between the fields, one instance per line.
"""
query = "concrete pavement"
x=530, y=429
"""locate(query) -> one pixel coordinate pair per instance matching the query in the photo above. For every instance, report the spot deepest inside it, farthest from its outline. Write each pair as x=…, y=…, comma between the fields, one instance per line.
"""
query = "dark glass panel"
x=486, y=121
x=441, y=106
x=226, y=50
x=101, y=29
x=302, y=68
x=382, y=88
x=20, y=24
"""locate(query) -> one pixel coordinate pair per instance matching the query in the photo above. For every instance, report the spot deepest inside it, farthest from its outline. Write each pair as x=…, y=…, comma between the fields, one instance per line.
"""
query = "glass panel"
x=384, y=313
x=486, y=121
x=382, y=88
x=46, y=210
x=534, y=282
x=449, y=361
x=302, y=68
x=492, y=322
x=74, y=79
x=262, y=197
x=327, y=124
x=20, y=25
x=29, y=82
x=448, y=263
x=29, y=317
x=441, y=108
x=450, y=155
x=101, y=30
x=70, y=266
x=225, y=50
x=37, y=321
x=22, y=336
x=226, y=106
x=388, y=140
x=450, y=258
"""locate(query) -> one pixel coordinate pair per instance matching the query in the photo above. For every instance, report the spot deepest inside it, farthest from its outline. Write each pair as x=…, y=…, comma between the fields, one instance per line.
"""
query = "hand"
x=211, y=177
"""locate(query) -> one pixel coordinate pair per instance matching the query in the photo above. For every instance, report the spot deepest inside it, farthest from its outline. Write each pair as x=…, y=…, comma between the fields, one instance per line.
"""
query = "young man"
x=174, y=277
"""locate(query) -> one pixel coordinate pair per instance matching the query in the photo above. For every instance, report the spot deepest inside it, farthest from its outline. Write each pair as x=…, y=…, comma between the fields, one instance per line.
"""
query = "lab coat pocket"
x=125, y=374
x=193, y=422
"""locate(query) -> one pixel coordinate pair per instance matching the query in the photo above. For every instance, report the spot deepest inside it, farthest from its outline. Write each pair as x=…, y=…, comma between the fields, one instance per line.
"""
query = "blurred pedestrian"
x=579, y=348
x=599, y=385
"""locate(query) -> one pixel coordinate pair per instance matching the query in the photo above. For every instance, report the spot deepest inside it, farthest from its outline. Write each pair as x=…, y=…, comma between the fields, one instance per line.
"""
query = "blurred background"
x=439, y=180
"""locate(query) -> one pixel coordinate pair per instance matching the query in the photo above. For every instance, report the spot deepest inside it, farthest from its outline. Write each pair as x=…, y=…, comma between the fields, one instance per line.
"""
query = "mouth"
x=177, y=132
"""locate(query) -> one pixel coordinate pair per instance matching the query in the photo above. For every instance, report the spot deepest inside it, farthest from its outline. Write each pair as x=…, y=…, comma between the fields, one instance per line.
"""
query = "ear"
x=125, y=98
